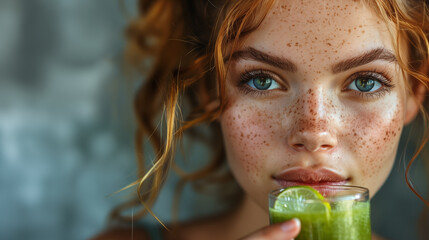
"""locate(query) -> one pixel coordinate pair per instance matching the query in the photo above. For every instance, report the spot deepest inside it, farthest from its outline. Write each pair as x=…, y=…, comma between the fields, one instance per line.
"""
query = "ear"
x=414, y=100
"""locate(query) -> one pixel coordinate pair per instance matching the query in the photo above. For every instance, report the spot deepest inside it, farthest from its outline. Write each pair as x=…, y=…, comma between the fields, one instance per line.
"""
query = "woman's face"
x=315, y=96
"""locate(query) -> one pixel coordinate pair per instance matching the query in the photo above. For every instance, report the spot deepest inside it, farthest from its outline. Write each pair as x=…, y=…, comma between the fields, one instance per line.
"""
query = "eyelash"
x=251, y=74
x=377, y=75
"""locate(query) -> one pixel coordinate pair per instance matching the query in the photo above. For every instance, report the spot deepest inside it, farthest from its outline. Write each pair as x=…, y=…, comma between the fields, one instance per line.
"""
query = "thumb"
x=280, y=231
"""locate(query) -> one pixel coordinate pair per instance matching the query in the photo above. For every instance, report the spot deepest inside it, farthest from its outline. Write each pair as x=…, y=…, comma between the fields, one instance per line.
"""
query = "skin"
x=314, y=118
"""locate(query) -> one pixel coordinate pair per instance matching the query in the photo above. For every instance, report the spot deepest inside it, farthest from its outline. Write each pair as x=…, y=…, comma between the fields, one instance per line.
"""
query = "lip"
x=310, y=177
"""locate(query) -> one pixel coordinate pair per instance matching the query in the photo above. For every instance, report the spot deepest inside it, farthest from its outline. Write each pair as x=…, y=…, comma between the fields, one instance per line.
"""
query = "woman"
x=303, y=92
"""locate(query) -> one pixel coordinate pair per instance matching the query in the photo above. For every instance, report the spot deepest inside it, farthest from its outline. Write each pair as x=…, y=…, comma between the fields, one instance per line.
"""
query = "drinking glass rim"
x=360, y=193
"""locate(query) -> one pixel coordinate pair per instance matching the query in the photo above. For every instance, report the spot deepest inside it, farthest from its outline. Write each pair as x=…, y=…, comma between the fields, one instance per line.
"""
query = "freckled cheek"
x=248, y=136
x=375, y=144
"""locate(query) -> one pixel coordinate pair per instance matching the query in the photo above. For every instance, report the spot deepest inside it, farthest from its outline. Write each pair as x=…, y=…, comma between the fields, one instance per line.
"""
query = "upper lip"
x=322, y=175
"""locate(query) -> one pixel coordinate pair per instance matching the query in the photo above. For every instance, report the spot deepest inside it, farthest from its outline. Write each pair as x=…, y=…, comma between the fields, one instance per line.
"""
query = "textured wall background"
x=65, y=122
x=66, y=125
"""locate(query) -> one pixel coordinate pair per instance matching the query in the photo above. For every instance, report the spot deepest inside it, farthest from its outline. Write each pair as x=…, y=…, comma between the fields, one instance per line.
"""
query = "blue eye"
x=263, y=83
x=259, y=82
x=365, y=84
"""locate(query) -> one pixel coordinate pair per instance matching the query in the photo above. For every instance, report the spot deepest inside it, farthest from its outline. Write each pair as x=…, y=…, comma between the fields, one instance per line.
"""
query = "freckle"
x=363, y=31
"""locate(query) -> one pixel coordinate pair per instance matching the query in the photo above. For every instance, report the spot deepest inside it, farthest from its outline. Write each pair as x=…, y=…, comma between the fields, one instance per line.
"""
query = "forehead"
x=324, y=30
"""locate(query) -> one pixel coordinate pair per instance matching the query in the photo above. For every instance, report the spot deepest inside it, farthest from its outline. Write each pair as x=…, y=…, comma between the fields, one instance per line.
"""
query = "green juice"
x=348, y=221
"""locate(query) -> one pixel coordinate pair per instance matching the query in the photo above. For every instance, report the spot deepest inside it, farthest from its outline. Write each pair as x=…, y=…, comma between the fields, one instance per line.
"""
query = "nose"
x=314, y=125
x=312, y=140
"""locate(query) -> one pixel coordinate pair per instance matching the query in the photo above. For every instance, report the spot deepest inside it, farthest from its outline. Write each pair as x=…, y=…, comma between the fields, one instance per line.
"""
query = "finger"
x=279, y=231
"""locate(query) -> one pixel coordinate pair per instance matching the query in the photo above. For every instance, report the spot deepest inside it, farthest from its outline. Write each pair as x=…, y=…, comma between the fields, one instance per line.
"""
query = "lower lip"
x=326, y=192
x=285, y=184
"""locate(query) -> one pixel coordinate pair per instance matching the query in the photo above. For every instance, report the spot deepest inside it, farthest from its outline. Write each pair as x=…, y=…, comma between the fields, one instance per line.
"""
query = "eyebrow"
x=367, y=57
x=253, y=54
x=287, y=65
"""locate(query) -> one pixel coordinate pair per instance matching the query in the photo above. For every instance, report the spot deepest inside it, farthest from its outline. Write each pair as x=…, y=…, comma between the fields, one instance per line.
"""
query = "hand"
x=280, y=231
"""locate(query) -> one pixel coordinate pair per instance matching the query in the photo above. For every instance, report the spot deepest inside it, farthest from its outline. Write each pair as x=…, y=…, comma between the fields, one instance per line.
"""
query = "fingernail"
x=290, y=225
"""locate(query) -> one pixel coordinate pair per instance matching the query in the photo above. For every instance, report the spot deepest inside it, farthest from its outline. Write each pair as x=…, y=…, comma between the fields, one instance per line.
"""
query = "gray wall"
x=65, y=121
x=66, y=125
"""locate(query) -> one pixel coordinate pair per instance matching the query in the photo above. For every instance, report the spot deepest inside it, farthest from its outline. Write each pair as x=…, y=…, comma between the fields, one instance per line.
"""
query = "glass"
x=344, y=213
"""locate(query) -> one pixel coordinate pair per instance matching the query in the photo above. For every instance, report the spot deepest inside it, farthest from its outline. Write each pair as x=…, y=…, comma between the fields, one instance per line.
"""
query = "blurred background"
x=66, y=126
